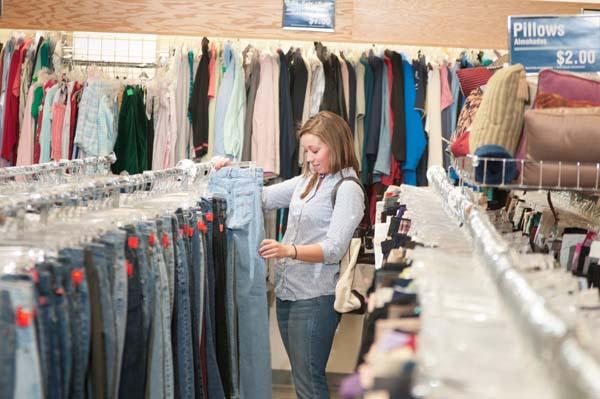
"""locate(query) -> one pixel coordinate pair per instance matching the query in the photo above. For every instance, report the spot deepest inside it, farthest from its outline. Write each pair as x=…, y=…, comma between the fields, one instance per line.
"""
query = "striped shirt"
x=313, y=220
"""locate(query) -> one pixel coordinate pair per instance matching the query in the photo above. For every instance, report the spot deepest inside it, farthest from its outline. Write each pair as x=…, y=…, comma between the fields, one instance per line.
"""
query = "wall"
x=447, y=23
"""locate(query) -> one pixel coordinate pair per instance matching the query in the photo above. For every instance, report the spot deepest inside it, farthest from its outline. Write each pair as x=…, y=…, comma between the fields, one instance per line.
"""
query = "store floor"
x=285, y=391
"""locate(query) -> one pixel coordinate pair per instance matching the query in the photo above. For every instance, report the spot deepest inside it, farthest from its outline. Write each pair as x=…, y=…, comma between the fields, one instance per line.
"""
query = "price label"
x=582, y=57
x=570, y=42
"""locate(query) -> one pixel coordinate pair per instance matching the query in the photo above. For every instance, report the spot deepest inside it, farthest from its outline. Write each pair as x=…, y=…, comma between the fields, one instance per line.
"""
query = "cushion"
x=499, y=119
x=569, y=86
x=473, y=78
x=494, y=171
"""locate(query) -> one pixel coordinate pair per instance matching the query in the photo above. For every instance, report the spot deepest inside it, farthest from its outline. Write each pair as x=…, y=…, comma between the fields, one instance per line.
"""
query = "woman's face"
x=317, y=153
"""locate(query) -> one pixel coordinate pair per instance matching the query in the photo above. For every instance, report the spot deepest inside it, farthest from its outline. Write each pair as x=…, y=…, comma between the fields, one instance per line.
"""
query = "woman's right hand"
x=221, y=162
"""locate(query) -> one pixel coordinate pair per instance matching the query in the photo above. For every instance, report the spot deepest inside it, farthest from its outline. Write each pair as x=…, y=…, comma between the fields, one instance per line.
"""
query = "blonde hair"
x=332, y=130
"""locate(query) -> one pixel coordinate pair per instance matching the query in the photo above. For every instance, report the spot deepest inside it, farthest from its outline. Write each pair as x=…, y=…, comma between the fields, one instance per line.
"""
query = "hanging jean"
x=245, y=230
x=215, y=384
x=28, y=382
x=72, y=260
x=133, y=368
x=8, y=346
x=182, y=327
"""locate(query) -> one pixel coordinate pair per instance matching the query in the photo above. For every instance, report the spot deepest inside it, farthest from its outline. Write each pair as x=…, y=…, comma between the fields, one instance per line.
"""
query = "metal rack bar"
x=554, y=343
x=54, y=167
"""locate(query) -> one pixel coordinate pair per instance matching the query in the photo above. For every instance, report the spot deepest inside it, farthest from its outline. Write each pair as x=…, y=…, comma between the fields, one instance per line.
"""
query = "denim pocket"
x=240, y=212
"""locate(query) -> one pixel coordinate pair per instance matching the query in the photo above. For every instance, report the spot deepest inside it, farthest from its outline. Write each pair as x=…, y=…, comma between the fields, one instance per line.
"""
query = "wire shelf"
x=529, y=175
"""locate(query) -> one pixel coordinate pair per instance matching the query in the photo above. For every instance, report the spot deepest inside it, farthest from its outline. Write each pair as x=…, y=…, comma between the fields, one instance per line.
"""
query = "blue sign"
x=318, y=15
x=561, y=42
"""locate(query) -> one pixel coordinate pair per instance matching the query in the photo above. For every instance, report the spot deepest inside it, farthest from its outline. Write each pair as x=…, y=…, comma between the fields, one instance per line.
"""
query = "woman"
x=316, y=238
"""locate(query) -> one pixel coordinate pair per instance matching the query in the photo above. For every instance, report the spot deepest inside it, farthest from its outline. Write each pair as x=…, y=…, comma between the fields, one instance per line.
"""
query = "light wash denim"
x=242, y=189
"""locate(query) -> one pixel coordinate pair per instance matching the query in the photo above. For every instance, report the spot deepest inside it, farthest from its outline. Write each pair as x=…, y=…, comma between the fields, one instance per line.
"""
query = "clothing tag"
x=130, y=92
x=42, y=300
x=129, y=268
x=77, y=276
x=165, y=240
x=152, y=239
x=224, y=69
x=209, y=217
x=202, y=226
x=35, y=276
x=23, y=317
x=190, y=231
x=221, y=227
x=59, y=291
x=133, y=242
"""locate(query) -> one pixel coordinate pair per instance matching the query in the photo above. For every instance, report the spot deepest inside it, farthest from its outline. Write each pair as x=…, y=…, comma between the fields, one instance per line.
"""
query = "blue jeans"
x=215, y=384
x=133, y=368
x=307, y=329
x=182, y=322
x=104, y=344
x=242, y=189
x=115, y=243
x=8, y=346
x=79, y=315
x=28, y=382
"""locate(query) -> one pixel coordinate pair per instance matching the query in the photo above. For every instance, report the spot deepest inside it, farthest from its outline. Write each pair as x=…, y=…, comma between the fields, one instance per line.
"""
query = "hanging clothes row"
x=246, y=103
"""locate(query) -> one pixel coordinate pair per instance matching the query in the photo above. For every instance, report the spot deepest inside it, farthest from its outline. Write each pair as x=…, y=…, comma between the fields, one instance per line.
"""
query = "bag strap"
x=354, y=179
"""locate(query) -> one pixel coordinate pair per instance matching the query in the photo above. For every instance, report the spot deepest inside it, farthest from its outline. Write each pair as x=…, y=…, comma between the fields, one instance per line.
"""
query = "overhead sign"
x=316, y=15
x=560, y=42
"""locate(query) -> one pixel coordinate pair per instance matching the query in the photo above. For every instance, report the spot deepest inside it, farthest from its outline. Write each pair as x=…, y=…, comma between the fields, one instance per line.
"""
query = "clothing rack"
x=102, y=188
x=553, y=341
x=91, y=165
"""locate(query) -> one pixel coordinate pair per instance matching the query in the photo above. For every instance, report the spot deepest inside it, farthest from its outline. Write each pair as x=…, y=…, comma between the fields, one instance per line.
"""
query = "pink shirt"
x=447, y=98
x=58, y=118
x=25, y=148
x=264, y=121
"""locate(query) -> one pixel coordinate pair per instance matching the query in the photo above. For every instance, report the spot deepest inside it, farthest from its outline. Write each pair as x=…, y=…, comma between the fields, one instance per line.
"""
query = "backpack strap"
x=354, y=179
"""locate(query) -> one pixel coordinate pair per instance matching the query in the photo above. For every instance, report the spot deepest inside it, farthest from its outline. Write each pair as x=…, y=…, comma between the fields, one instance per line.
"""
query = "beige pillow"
x=499, y=120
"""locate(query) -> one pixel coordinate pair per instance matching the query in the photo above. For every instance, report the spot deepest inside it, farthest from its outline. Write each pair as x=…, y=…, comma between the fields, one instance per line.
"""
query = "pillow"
x=472, y=78
x=494, y=171
x=499, y=119
x=563, y=134
x=468, y=112
x=569, y=86
x=553, y=100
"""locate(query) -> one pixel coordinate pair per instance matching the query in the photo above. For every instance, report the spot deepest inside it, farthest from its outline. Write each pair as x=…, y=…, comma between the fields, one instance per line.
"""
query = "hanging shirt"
x=25, y=148
x=252, y=74
x=223, y=99
x=307, y=96
x=184, y=127
x=234, y=116
x=95, y=133
x=446, y=94
x=398, y=108
x=165, y=134
x=383, y=160
x=359, y=133
x=317, y=85
x=287, y=138
x=216, y=76
x=433, y=125
x=352, y=96
x=46, y=130
x=264, y=150
x=376, y=104
x=199, y=103
x=6, y=61
x=364, y=173
x=415, y=135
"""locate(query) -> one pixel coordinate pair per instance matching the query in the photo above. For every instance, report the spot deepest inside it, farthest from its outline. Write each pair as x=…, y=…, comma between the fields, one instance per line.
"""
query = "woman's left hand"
x=273, y=249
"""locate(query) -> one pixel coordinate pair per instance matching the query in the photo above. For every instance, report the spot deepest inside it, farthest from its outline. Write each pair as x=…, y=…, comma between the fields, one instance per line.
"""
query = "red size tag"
x=23, y=317
x=209, y=217
x=77, y=276
x=129, y=268
x=202, y=226
x=133, y=242
x=165, y=240
x=190, y=231
x=152, y=239
x=42, y=301
x=221, y=227
x=35, y=276
x=59, y=291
